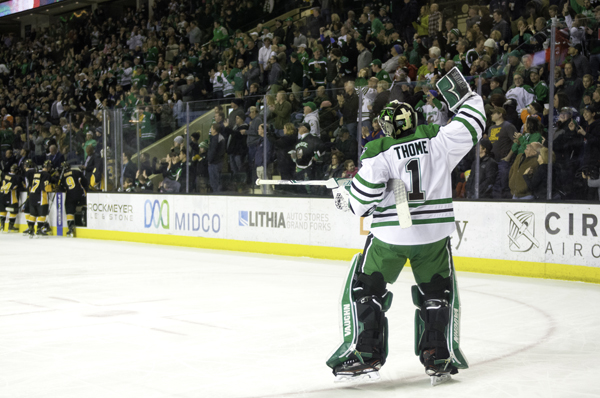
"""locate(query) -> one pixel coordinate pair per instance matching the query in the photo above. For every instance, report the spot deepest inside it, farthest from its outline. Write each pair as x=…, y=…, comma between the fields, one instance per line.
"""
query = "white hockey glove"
x=341, y=194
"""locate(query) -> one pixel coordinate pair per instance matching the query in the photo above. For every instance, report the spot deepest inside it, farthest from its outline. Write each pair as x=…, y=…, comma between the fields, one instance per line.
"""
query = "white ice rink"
x=84, y=319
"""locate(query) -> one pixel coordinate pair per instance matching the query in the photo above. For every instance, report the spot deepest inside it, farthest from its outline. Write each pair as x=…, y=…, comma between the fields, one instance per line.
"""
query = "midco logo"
x=156, y=214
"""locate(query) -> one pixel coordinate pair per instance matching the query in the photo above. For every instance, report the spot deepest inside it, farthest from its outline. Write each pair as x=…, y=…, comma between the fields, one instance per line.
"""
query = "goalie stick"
x=397, y=187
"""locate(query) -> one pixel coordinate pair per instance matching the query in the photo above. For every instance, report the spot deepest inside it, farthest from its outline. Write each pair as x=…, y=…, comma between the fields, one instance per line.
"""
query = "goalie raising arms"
x=423, y=157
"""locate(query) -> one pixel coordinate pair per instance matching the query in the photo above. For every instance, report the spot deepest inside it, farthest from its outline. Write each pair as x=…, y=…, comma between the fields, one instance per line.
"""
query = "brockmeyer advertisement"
x=521, y=231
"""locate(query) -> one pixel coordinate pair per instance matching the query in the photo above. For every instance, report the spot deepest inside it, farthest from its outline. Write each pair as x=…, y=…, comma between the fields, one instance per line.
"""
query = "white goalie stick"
x=397, y=187
x=401, y=199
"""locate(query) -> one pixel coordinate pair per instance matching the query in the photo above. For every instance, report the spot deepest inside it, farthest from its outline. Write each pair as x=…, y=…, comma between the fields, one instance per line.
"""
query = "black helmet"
x=14, y=168
x=65, y=166
x=29, y=164
x=48, y=165
x=397, y=119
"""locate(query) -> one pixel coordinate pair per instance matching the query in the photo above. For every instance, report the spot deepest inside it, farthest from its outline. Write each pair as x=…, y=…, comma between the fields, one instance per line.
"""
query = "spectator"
x=275, y=74
x=311, y=118
x=381, y=99
x=215, y=157
x=513, y=68
x=280, y=112
x=350, y=169
x=502, y=26
x=236, y=143
x=488, y=172
x=262, y=169
x=474, y=17
x=526, y=161
x=295, y=74
x=308, y=150
x=375, y=133
x=172, y=173
x=591, y=134
x=347, y=145
x=571, y=85
x=364, y=56
x=336, y=167
x=433, y=111
x=435, y=23
x=283, y=145
x=55, y=156
x=252, y=138
x=537, y=182
x=128, y=169
x=521, y=93
x=540, y=88
x=348, y=103
x=237, y=110
x=580, y=63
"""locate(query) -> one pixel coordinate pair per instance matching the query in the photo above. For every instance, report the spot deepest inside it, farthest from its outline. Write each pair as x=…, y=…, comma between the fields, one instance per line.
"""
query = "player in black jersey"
x=30, y=170
x=38, y=199
x=12, y=184
x=73, y=182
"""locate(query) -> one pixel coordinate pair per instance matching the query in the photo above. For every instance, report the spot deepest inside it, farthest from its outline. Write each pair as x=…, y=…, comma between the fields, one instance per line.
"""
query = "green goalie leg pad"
x=453, y=335
x=352, y=326
x=452, y=329
x=419, y=324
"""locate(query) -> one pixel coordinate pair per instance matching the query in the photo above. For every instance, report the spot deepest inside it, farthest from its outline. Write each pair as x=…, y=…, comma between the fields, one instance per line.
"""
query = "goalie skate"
x=354, y=370
x=440, y=378
x=440, y=370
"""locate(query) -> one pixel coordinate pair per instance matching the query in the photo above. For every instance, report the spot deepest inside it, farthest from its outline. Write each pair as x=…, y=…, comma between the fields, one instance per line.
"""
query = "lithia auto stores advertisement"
x=522, y=231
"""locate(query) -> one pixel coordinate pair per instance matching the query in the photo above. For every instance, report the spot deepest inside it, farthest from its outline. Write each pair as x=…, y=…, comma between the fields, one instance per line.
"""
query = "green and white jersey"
x=424, y=161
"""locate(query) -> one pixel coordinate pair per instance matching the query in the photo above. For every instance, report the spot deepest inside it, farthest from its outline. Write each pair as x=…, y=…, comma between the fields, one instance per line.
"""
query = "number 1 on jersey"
x=414, y=168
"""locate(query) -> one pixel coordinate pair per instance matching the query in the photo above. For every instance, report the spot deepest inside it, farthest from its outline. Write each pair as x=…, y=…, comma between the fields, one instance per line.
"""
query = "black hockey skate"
x=440, y=370
x=41, y=232
x=71, y=232
x=353, y=370
x=2, y=227
x=12, y=229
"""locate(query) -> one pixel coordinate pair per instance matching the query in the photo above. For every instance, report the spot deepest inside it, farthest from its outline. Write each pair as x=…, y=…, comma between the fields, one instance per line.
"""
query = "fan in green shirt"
x=236, y=76
x=379, y=72
x=540, y=88
x=152, y=54
x=139, y=78
x=376, y=24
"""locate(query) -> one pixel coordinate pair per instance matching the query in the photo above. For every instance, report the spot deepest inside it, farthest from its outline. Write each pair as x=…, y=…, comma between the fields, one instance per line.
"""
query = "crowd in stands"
x=319, y=82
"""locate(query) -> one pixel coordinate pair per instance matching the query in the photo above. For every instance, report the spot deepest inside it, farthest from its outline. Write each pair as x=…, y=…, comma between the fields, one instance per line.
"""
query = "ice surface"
x=83, y=318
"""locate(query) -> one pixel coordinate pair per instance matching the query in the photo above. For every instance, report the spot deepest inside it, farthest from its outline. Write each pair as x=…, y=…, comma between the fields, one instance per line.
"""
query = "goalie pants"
x=426, y=260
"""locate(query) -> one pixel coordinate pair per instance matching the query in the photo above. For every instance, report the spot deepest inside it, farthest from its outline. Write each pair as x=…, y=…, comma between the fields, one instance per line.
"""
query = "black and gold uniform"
x=38, y=199
x=73, y=183
x=30, y=170
x=12, y=184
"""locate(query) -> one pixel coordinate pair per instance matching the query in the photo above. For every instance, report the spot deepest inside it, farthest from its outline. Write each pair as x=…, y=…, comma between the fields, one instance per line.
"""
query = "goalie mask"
x=397, y=119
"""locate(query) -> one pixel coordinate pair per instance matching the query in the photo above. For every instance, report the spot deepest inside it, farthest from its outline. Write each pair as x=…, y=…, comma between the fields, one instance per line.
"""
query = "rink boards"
x=557, y=241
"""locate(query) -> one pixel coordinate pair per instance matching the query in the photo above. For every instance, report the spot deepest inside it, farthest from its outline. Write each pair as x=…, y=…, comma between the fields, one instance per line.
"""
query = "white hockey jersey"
x=424, y=161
